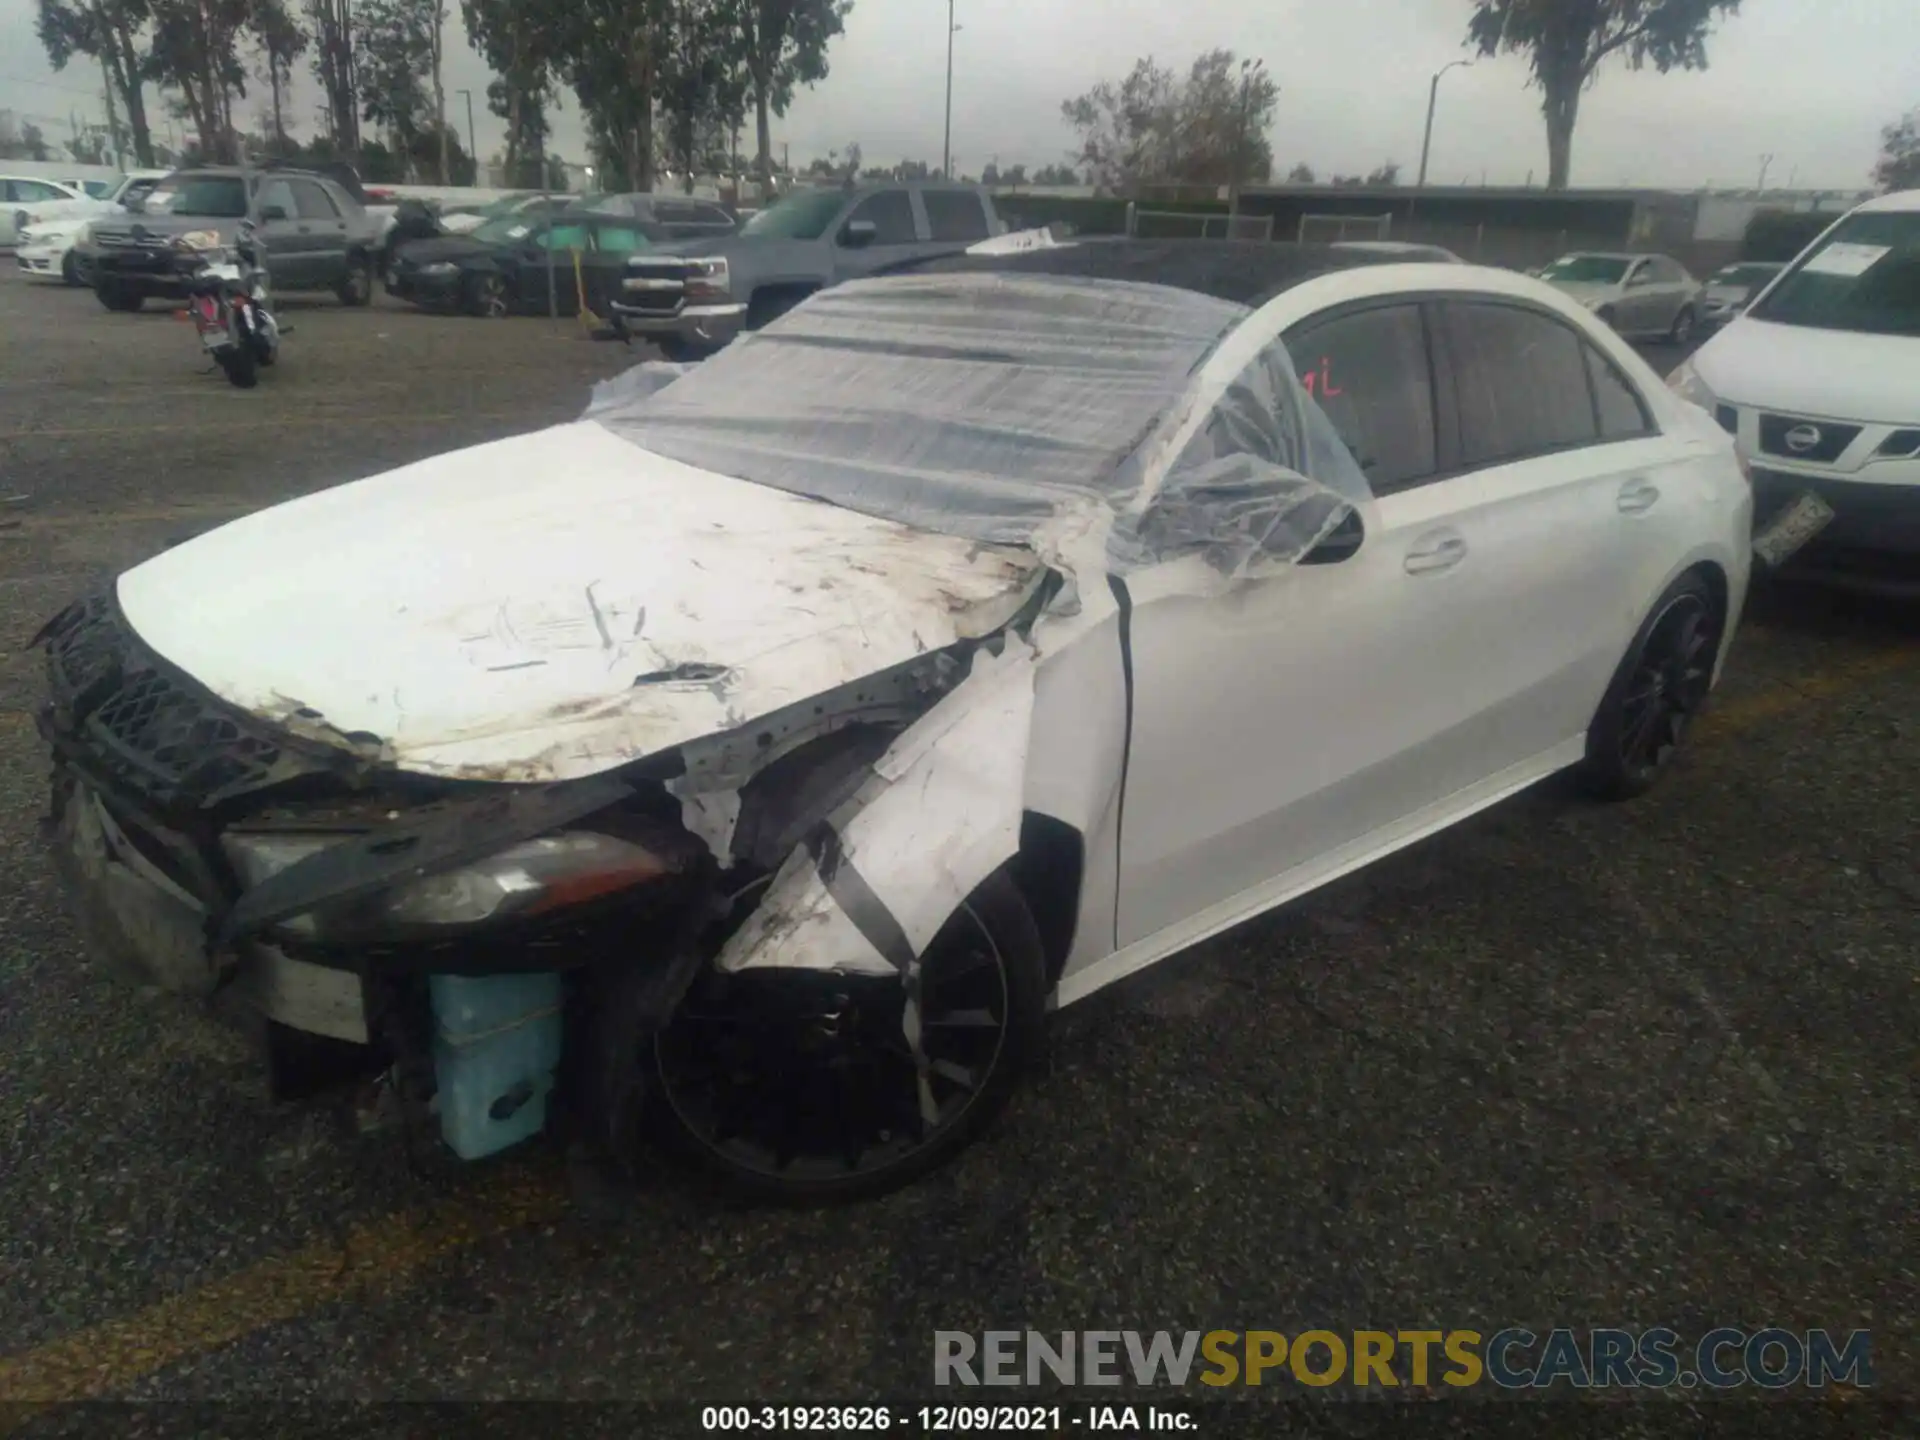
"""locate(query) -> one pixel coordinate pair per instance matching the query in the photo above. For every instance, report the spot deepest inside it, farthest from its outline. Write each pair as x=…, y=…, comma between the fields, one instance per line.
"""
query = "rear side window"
x=1368, y=371
x=712, y=215
x=566, y=237
x=1622, y=415
x=892, y=215
x=955, y=214
x=314, y=203
x=1521, y=379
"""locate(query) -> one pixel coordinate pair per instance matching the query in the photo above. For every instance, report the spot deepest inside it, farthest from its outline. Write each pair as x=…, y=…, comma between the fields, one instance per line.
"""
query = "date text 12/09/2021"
x=946, y=1419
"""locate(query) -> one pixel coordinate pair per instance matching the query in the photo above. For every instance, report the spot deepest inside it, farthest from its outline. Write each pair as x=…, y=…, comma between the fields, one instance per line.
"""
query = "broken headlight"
x=529, y=878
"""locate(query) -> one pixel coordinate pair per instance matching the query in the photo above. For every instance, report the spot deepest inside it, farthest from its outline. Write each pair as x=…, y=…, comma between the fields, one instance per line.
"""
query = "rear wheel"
x=242, y=367
x=69, y=269
x=1656, y=693
x=1683, y=324
x=357, y=289
x=804, y=1087
x=486, y=296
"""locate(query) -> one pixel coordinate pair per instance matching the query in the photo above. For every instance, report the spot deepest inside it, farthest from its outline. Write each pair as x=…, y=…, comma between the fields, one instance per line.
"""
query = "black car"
x=509, y=263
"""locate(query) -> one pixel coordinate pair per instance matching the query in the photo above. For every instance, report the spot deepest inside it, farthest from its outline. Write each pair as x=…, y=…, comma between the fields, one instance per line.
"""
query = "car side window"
x=619, y=239
x=313, y=203
x=713, y=215
x=33, y=191
x=1521, y=379
x=955, y=214
x=277, y=193
x=565, y=237
x=892, y=215
x=1623, y=415
x=1368, y=371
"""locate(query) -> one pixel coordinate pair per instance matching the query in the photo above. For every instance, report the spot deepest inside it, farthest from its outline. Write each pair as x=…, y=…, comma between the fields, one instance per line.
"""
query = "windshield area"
x=803, y=215
x=1750, y=276
x=976, y=404
x=507, y=230
x=1587, y=269
x=1864, y=277
x=217, y=197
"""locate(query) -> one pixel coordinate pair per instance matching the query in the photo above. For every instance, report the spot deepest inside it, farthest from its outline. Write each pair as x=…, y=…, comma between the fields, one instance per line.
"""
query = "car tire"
x=118, y=298
x=69, y=270
x=993, y=934
x=357, y=289
x=682, y=351
x=241, y=365
x=1659, y=688
x=1683, y=325
x=485, y=296
x=766, y=306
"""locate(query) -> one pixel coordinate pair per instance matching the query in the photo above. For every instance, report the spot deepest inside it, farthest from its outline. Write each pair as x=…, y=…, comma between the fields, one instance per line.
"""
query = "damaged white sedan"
x=765, y=753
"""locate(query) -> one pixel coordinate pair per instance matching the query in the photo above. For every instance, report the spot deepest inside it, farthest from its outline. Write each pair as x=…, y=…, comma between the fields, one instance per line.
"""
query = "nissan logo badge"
x=1802, y=438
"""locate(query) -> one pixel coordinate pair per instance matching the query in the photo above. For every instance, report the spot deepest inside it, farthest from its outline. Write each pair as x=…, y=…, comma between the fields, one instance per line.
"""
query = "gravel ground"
x=1565, y=1065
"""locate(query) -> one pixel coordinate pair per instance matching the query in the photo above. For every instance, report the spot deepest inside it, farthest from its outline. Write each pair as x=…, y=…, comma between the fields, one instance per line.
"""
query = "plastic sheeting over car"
x=1016, y=409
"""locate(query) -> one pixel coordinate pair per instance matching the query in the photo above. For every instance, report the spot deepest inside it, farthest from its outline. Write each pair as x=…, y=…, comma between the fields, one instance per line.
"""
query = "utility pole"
x=946, y=145
x=1433, y=96
x=473, y=147
x=1765, y=161
x=113, y=121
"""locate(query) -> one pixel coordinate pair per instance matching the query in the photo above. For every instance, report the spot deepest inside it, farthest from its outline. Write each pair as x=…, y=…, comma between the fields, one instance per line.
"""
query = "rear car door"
x=1566, y=491
x=323, y=233
x=289, y=261
x=896, y=236
x=955, y=218
x=547, y=259
x=1641, y=300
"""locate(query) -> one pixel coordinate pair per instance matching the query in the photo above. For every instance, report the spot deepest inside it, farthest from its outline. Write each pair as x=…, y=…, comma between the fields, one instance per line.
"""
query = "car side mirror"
x=856, y=233
x=1342, y=542
x=273, y=212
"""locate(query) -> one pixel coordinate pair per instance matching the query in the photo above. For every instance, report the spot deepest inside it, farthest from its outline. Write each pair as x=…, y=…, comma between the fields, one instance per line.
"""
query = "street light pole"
x=946, y=145
x=473, y=148
x=1433, y=96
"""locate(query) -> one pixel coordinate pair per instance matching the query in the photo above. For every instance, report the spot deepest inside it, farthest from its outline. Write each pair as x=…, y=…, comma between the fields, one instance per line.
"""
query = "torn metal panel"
x=556, y=605
x=941, y=813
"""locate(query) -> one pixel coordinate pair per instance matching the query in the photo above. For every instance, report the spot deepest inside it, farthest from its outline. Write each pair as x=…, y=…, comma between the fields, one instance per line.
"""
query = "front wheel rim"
x=1668, y=684
x=838, y=1091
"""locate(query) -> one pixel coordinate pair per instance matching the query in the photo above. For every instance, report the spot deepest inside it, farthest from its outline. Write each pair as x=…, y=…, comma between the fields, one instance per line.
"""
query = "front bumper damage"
x=154, y=776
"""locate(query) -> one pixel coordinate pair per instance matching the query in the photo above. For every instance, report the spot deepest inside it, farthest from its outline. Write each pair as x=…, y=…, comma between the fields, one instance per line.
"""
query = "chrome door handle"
x=1432, y=553
x=1638, y=496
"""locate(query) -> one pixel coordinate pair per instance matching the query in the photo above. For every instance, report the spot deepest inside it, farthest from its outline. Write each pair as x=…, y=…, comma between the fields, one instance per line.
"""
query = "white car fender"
x=866, y=894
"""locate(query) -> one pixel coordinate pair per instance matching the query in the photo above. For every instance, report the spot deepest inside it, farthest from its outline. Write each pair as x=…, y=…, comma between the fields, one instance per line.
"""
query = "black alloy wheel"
x=487, y=295
x=357, y=288
x=1656, y=693
x=800, y=1087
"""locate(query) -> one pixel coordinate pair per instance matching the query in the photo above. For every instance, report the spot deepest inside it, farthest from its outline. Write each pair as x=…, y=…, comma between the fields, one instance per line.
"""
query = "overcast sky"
x=1808, y=81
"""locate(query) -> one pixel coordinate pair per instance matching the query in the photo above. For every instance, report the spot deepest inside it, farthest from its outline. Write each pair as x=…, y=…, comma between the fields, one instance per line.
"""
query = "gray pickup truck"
x=316, y=235
x=690, y=297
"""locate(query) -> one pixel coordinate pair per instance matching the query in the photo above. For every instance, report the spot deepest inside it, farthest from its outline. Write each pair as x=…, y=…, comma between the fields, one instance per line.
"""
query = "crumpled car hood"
x=554, y=605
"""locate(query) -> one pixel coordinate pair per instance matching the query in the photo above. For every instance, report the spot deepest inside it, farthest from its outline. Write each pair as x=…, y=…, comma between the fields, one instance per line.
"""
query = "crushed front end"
x=499, y=954
x=355, y=920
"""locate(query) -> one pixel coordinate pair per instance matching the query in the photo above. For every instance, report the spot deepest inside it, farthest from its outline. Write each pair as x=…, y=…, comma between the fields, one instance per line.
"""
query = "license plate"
x=1804, y=517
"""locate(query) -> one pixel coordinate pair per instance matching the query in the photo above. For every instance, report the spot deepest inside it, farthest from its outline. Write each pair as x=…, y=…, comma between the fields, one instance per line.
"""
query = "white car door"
x=1296, y=726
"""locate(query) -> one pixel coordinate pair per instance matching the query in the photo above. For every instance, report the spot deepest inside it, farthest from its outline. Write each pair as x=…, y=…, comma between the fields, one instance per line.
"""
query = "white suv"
x=1819, y=383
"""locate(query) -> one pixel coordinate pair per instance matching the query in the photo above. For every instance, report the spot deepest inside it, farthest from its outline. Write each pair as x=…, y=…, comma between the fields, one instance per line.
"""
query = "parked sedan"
x=513, y=263
x=20, y=192
x=761, y=754
x=1644, y=297
x=1730, y=289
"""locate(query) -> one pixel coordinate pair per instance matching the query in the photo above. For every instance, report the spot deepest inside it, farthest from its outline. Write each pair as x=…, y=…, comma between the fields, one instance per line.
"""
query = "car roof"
x=1243, y=272
x=1899, y=201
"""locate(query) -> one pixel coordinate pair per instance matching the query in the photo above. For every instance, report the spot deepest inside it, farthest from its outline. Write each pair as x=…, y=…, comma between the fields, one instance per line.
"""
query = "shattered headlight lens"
x=534, y=876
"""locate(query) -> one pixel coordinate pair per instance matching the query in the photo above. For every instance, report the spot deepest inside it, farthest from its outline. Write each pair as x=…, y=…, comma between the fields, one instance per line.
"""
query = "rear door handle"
x=1638, y=496
x=1435, y=551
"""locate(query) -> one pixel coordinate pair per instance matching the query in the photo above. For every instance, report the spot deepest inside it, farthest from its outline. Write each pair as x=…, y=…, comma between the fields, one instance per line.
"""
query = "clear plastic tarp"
x=1011, y=409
